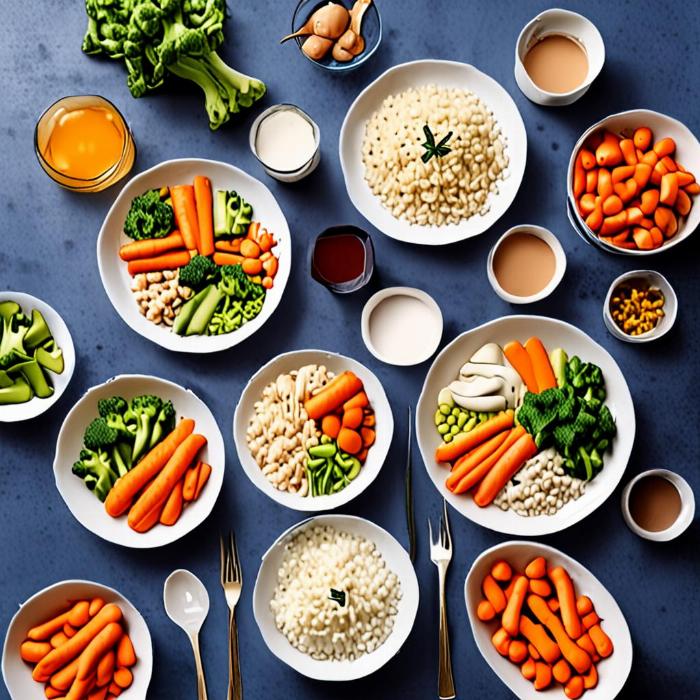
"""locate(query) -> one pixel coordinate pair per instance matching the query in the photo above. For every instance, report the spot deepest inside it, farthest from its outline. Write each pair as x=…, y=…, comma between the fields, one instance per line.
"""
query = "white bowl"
x=11, y=413
x=52, y=601
x=337, y=363
x=682, y=522
x=449, y=74
x=423, y=297
x=653, y=279
x=87, y=508
x=559, y=264
x=556, y=21
x=553, y=334
x=396, y=559
x=688, y=153
x=117, y=281
x=612, y=672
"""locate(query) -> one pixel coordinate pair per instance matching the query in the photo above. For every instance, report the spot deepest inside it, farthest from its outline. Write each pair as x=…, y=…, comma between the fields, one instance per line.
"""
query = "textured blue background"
x=48, y=242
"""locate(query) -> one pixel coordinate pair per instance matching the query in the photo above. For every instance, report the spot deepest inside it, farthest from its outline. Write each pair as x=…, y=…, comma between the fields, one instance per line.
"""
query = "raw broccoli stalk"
x=149, y=217
x=165, y=422
x=17, y=391
x=38, y=331
x=143, y=410
x=94, y=468
x=12, y=349
x=232, y=214
x=198, y=272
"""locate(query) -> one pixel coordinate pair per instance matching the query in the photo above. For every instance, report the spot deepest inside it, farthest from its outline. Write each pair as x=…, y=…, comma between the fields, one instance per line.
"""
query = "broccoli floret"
x=113, y=410
x=200, y=270
x=113, y=404
x=149, y=217
x=99, y=436
x=95, y=469
x=606, y=422
x=165, y=422
x=237, y=284
x=143, y=411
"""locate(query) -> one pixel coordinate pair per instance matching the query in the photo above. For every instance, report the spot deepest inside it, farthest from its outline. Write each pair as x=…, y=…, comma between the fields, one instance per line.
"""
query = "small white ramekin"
x=560, y=264
x=557, y=21
x=685, y=517
x=653, y=279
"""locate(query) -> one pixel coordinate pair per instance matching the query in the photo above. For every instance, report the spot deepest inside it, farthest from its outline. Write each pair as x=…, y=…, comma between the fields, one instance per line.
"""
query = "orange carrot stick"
x=189, y=487
x=119, y=498
x=64, y=678
x=567, y=601
x=126, y=656
x=166, y=261
x=173, y=505
x=160, y=489
x=463, y=442
x=603, y=644
x=543, y=675
x=33, y=652
x=334, y=395
x=504, y=469
x=537, y=568
x=78, y=615
x=474, y=458
x=536, y=635
x=511, y=615
x=105, y=668
x=185, y=209
x=81, y=688
x=58, y=639
x=544, y=374
x=96, y=604
x=518, y=357
x=228, y=259
x=501, y=640
x=205, y=214
x=540, y=587
x=360, y=400
x=232, y=246
x=202, y=478
x=480, y=471
x=151, y=247
x=485, y=611
x=494, y=593
x=352, y=418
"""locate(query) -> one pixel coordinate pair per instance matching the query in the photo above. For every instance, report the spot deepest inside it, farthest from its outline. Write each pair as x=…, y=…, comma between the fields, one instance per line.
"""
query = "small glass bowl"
x=44, y=128
x=358, y=282
x=286, y=175
x=371, y=33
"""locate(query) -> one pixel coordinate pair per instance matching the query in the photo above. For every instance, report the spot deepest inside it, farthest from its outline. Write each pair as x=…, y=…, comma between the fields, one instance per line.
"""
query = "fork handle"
x=235, y=684
x=446, y=685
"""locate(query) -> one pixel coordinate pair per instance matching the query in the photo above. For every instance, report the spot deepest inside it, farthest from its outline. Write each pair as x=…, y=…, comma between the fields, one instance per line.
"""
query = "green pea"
x=454, y=429
x=455, y=411
x=443, y=428
x=439, y=418
x=451, y=420
x=445, y=409
x=325, y=440
x=483, y=417
x=447, y=438
x=461, y=420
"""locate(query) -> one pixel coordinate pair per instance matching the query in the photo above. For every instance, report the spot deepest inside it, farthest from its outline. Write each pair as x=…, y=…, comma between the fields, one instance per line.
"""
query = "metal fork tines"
x=232, y=583
x=441, y=555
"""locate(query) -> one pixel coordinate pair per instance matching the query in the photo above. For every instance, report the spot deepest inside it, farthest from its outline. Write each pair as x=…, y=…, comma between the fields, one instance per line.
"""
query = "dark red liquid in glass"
x=339, y=258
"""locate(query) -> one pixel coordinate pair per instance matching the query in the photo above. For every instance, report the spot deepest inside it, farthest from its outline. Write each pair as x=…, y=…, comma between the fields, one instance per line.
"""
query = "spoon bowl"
x=186, y=600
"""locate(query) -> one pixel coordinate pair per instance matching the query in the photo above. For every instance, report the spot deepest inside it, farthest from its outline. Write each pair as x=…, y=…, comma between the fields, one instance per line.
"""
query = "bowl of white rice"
x=336, y=597
x=436, y=197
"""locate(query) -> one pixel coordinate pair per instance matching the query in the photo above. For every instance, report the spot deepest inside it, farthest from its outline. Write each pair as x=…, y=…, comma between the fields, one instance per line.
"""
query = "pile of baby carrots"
x=157, y=489
x=345, y=413
x=631, y=191
x=194, y=235
x=544, y=628
x=84, y=652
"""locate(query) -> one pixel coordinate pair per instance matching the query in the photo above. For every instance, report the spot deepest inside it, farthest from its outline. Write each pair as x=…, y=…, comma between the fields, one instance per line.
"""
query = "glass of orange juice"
x=84, y=143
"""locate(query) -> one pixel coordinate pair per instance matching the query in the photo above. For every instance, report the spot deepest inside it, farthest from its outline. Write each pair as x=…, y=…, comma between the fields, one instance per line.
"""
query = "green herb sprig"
x=338, y=597
x=432, y=149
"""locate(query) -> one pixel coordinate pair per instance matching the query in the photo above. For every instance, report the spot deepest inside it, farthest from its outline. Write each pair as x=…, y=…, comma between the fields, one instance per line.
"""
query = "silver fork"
x=441, y=555
x=232, y=582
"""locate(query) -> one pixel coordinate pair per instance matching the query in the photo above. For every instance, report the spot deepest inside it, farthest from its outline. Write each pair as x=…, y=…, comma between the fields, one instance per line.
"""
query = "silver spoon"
x=187, y=603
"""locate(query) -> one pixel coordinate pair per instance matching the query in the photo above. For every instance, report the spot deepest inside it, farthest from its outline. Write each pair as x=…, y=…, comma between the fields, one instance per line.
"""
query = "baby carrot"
x=650, y=158
x=358, y=400
x=634, y=216
x=602, y=642
x=584, y=605
x=64, y=678
x=202, y=478
x=205, y=213
x=685, y=178
x=683, y=203
x=69, y=630
x=650, y=200
x=349, y=441
x=642, y=173
x=228, y=259
x=586, y=643
x=126, y=656
x=232, y=246
x=151, y=247
x=123, y=677
x=540, y=587
x=579, y=185
x=586, y=204
x=562, y=671
x=252, y=266
x=693, y=188
x=622, y=172
x=189, y=487
x=629, y=152
x=463, y=442
x=605, y=184
x=612, y=205
x=102, y=643
x=626, y=190
x=590, y=619
x=590, y=680
x=172, y=510
x=542, y=367
x=528, y=669
x=642, y=138
x=494, y=593
x=517, y=651
x=249, y=248
x=76, y=615
x=166, y=261
x=613, y=224
x=669, y=189
x=501, y=640
x=333, y=395
x=105, y=668
x=511, y=614
x=33, y=652
x=543, y=675
x=331, y=424
x=185, y=209
x=669, y=164
x=608, y=154
x=80, y=688
x=574, y=688
x=595, y=219
x=58, y=639
x=368, y=436
x=591, y=181
x=566, y=596
x=553, y=604
x=665, y=147
x=665, y=219
x=503, y=572
x=485, y=611
x=537, y=568
x=96, y=604
x=536, y=635
x=587, y=159
x=519, y=358
x=52, y=693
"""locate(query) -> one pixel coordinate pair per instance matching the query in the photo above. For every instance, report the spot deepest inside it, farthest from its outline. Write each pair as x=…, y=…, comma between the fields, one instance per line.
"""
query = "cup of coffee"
x=658, y=505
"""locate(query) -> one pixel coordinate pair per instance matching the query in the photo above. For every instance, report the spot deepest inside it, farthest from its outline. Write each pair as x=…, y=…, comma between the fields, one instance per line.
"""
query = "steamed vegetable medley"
x=200, y=264
x=523, y=429
x=136, y=457
x=542, y=626
x=311, y=430
x=83, y=652
x=28, y=355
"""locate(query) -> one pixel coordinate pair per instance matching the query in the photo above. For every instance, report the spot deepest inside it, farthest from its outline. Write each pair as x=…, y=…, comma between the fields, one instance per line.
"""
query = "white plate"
x=113, y=270
x=50, y=602
x=687, y=152
x=337, y=363
x=450, y=74
x=12, y=413
x=612, y=672
x=87, y=508
x=553, y=334
x=396, y=559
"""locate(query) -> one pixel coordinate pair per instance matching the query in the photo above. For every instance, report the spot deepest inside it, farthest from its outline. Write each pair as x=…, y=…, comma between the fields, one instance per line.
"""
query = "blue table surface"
x=48, y=241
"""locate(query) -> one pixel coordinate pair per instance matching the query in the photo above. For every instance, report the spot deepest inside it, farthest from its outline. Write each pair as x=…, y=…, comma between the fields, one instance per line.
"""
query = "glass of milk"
x=286, y=141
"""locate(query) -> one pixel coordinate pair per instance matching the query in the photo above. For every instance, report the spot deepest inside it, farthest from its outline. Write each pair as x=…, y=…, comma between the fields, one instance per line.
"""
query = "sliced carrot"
x=562, y=671
x=353, y=418
x=126, y=656
x=666, y=220
x=501, y=640
x=252, y=266
x=685, y=178
x=517, y=651
x=250, y=249
x=331, y=424
x=626, y=190
x=622, y=173
x=350, y=441
x=542, y=367
x=204, y=474
x=650, y=200
x=584, y=605
x=543, y=675
x=683, y=203
x=642, y=173
x=368, y=436
x=123, y=677
x=528, y=669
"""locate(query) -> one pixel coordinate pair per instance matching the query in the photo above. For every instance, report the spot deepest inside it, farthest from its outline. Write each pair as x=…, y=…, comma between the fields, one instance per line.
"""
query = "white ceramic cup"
x=681, y=523
x=287, y=175
x=559, y=265
x=571, y=24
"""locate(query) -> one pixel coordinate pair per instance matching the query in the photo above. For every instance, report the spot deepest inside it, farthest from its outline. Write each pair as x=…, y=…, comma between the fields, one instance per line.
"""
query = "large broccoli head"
x=149, y=217
x=199, y=271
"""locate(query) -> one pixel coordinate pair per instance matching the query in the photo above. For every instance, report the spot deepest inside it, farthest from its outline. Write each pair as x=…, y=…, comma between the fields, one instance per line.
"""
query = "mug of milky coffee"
x=658, y=505
x=557, y=56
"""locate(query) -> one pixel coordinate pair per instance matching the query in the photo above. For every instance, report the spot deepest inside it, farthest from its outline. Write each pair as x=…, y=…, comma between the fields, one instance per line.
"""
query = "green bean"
x=355, y=470
x=344, y=464
x=314, y=464
x=337, y=472
x=324, y=450
x=469, y=425
x=338, y=486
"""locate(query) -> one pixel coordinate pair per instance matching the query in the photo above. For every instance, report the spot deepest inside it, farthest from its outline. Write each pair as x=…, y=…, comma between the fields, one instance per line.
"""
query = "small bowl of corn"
x=640, y=306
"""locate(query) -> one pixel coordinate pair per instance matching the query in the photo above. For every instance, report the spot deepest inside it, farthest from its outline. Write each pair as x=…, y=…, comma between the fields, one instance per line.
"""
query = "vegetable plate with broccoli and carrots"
x=523, y=425
x=205, y=251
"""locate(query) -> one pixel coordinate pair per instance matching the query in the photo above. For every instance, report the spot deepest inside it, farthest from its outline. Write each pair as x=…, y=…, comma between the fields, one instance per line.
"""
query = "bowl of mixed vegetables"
x=194, y=255
x=37, y=357
x=525, y=424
